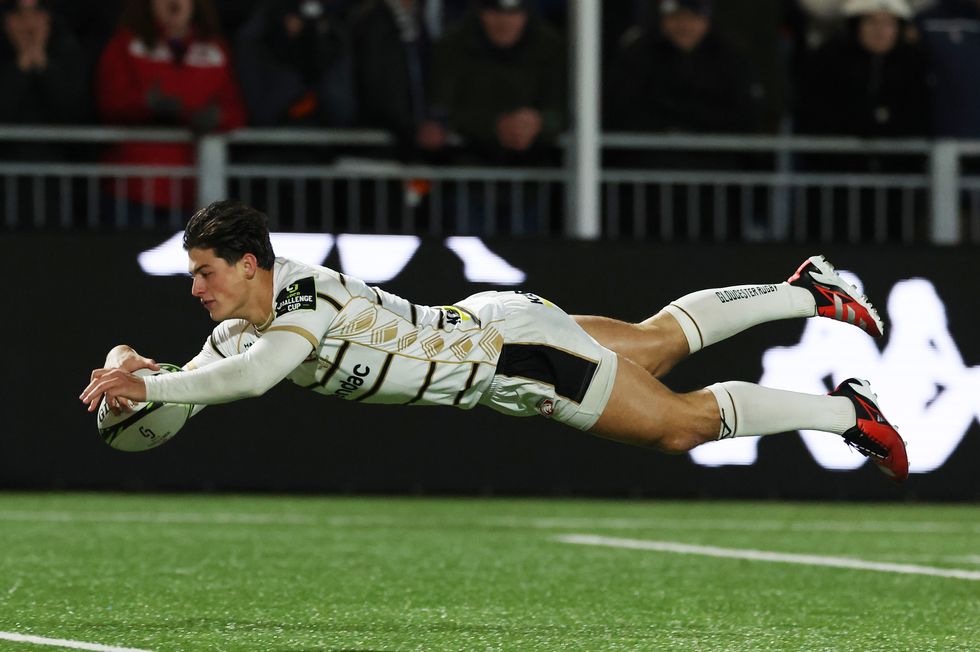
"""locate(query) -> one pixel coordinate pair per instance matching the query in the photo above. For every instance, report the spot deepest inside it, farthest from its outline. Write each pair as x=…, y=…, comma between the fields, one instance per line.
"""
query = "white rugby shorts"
x=548, y=364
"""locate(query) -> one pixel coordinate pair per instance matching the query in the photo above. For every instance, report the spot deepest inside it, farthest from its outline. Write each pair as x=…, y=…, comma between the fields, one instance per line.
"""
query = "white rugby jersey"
x=370, y=345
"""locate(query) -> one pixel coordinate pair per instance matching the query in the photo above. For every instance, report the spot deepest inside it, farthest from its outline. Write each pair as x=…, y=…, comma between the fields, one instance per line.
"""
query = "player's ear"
x=250, y=264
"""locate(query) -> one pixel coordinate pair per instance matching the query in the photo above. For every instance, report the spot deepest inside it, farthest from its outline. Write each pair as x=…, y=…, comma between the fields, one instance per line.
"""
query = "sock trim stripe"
x=696, y=327
x=734, y=411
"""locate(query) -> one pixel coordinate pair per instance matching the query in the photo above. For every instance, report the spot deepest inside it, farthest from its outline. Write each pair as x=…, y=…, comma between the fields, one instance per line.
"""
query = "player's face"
x=222, y=288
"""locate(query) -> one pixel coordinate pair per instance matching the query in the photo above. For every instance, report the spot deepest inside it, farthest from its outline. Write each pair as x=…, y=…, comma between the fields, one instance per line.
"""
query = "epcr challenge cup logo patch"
x=300, y=295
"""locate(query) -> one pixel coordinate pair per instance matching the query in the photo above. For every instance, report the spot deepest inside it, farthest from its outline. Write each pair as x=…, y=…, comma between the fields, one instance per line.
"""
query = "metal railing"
x=764, y=188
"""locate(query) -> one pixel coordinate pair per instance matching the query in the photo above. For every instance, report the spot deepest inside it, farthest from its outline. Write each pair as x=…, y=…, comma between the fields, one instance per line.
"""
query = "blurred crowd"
x=488, y=74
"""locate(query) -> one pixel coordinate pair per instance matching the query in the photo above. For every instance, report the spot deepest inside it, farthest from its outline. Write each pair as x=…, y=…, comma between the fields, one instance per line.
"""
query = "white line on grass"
x=765, y=555
x=754, y=525
x=58, y=642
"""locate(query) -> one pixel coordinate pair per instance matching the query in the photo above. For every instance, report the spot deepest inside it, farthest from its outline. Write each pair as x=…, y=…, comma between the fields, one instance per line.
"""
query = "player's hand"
x=117, y=386
x=126, y=358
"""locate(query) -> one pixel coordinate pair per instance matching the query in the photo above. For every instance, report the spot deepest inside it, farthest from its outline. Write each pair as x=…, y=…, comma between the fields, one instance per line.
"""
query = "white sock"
x=748, y=409
x=710, y=316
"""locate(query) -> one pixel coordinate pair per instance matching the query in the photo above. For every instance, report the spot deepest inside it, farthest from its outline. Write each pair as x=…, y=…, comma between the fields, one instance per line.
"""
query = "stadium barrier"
x=81, y=293
x=662, y=187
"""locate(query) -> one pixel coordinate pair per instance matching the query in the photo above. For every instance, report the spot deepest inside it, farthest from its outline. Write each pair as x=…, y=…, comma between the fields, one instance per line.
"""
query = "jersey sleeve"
x=306, y=310
x=228, y=338
x=251, y=373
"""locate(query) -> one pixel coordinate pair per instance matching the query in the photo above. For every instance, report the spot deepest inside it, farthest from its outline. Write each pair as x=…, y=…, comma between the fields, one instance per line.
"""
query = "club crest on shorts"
x=547, y=408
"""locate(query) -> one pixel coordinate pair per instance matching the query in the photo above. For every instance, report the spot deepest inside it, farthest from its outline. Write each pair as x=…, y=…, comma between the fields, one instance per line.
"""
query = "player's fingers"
x=85, y=392
x=95, y=390
x=152, y=364
x=97, y=393
x=98, y=373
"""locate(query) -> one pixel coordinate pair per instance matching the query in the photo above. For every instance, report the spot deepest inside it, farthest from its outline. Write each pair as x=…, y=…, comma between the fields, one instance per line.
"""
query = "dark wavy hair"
x=232, y=229
x=138, y=18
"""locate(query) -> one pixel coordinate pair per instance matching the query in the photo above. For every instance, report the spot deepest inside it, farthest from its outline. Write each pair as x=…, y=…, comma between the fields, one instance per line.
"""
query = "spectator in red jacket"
x=167, y=65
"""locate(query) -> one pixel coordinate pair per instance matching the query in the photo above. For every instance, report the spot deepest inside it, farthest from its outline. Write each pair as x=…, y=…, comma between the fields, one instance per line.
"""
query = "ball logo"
x=547, y=408
x=923, y=385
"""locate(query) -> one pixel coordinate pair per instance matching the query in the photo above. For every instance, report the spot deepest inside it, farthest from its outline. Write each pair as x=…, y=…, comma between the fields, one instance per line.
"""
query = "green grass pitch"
x=211, y=573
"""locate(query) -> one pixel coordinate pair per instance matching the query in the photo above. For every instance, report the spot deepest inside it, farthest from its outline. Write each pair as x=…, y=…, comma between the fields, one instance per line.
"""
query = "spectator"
x=41, y=82
x=500, y=81
x=871, y=80
x=676, y=73
x=40, y=71
x=166, y=65
x=392, y=54
x=951, y=33
x=823, y=19
x=295, y=65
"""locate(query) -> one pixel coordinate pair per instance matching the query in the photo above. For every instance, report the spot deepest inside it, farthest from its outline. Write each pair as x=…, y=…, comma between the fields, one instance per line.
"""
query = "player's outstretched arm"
x=251, y=373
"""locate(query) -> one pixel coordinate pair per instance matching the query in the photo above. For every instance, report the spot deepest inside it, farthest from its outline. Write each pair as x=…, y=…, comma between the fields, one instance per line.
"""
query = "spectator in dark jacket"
x=951, y=33
x=40, y=67
x=392, y=55
x=870, y=81
x=500, y=80
x=679, y=74
x=41, y=82
x=295, y=66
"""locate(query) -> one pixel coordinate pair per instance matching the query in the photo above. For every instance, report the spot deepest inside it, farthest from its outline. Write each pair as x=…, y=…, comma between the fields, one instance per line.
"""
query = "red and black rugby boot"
x=872, y=435
x=835, y=297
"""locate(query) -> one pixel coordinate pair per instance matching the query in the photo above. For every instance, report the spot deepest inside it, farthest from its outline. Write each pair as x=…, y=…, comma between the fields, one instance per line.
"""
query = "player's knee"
x=677, y=443
x=661, y=349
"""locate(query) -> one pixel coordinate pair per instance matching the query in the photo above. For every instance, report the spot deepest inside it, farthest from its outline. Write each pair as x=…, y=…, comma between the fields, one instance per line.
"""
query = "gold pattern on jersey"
x=461, y=348
x=360, y=323
x=492, y=343
x=408, y=340
x=433, y=346
x=385, y=333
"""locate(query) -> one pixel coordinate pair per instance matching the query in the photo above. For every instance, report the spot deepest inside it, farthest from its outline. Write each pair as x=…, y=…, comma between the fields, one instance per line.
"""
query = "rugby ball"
x=147, y=425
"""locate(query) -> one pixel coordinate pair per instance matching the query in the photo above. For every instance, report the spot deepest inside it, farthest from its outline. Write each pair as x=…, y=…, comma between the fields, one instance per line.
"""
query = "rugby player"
x=515, y=352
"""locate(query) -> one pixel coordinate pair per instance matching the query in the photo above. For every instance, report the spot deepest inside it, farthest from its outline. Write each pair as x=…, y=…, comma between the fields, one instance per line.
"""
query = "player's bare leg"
x=706, y=317
x=642, y=411
x=656, y=344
